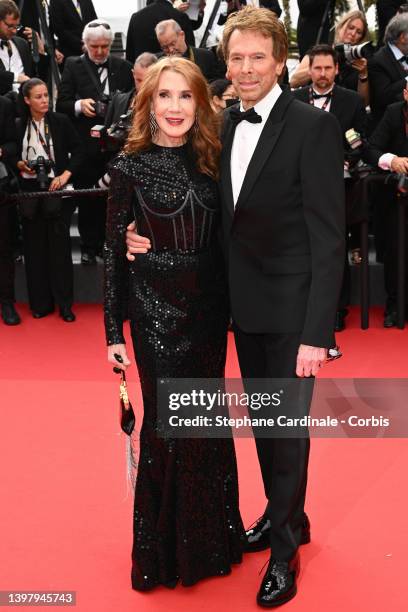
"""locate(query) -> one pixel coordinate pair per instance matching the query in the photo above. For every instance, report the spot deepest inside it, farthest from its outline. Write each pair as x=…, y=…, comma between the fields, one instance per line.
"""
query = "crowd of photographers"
x=59, y=56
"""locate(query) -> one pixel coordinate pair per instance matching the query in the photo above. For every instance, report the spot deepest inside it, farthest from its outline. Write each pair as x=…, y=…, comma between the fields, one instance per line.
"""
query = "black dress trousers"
x=47, y=250
x=283, y=461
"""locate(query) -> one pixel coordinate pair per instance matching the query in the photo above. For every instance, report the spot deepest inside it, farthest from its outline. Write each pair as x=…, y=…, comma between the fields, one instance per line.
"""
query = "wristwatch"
x=363, y=79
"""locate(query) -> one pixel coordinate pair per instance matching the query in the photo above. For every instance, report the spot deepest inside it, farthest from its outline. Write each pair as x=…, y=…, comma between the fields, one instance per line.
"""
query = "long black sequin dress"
x=186, y=517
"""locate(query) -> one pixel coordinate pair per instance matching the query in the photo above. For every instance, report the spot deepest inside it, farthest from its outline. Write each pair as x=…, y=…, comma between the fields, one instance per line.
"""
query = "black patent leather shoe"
x=66, y=314
x=258, y=536
x=9, y=314
x=390, y=318
x=278, y=585
x=340, y=321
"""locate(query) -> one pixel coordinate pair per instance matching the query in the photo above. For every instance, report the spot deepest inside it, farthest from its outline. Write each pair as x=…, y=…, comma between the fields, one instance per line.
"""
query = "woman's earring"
x=195, y=125
x=154, y=127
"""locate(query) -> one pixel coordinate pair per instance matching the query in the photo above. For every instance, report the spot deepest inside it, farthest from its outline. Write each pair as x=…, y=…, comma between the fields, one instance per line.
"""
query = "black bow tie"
x=5, y=44
x=250, y=115
x=316, y=96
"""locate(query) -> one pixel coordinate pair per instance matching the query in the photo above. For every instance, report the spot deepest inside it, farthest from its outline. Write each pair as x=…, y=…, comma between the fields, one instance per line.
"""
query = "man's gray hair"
x=397, y=26
x=167, y=23
x=146, y=59
x=97, y=29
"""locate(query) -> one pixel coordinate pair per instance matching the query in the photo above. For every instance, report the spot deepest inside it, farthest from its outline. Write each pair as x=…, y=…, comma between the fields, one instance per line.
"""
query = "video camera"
x=348, y=53
x=41, y=167
x=357, y=168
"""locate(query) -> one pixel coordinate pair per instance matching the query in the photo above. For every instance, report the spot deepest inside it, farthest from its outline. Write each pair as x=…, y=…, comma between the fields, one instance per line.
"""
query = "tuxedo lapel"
x=266, y=143
x=397, y=66
x=225, y=175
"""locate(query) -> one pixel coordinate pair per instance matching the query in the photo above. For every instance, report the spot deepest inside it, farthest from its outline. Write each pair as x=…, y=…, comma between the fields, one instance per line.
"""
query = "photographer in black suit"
x=388, y=68
x=88, y=84
x=348, y=108
x=172, y=41
x=8, y=152
x=49, y=154
x=68, y=19
x=388, y=150
x=16, y=60
x=141, y=35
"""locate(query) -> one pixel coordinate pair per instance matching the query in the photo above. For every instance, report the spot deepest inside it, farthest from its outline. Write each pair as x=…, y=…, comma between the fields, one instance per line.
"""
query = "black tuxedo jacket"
x=76, y=84
x=68, y=151
x=346, y=105
x=387, y=81
x=30, y=69
x=8, y=143
x=207, y=62
x=68, y=25
x=284, y=243
x=141, y=35
x=389, y=136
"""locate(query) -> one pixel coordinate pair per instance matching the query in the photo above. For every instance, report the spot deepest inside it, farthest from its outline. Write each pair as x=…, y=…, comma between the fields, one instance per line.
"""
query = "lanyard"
x=44, y=143
x=99, y=86
x=326, y=102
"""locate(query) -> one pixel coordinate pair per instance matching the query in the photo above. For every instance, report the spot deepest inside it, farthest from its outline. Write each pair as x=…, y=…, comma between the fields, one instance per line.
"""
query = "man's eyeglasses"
x=96, y=25
x=11, y=26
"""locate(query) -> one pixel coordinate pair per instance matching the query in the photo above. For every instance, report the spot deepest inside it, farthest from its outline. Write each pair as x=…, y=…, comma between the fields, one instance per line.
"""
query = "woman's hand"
x=60, y=181
x=119, y=349
x=24, y=169
x=361, y=66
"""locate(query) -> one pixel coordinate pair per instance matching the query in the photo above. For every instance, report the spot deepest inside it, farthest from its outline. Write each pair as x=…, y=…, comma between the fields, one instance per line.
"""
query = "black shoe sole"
x=275, y=604
x=305, y=539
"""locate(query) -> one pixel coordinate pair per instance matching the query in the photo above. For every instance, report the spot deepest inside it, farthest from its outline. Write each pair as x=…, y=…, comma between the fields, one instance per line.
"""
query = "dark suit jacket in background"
x=118, y=106
x=30, y=69
x=310, y=17
x=8, y=142
x=206, y=60
x=285, y=242
x=387, y=81
x=68, y=25
x=65, y=140
x=389, y=136
x=141, y=35
x=346, y=105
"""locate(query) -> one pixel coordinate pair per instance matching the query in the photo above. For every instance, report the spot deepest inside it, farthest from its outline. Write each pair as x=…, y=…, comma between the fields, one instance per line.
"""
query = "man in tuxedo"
x=8, y=156
x=282, y=193
x=121, y=102
x=388, y=68
x=68, y=19
x=16, y=61
x=388, y=149
x=88, y=83
x=172, y=41
x=141, y=35
x=348, y=108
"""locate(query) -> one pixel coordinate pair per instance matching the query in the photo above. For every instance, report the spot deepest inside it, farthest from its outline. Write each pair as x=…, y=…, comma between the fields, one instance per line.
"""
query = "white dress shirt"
x=320, y=101
x=246, y=138
x=12, y=63
x=33, y=148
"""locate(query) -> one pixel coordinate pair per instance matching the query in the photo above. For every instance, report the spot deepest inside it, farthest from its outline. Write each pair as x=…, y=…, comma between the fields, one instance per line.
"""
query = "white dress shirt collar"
x=397, y=53
x=264, y=106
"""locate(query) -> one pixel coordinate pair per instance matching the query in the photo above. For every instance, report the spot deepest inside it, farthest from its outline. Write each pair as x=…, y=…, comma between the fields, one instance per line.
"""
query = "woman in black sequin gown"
x=187, y=524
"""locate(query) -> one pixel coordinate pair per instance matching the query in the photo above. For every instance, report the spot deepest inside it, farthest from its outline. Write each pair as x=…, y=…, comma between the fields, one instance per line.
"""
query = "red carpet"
x=65, y=521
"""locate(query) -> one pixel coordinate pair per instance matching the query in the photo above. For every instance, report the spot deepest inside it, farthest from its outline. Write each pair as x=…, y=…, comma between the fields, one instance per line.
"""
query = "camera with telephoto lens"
x=348, y=53
x=113, y=138
x=101, y=105
x=41, y=167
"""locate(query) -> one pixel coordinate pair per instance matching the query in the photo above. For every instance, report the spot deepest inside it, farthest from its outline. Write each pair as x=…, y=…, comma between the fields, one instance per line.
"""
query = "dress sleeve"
x=116, y=282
